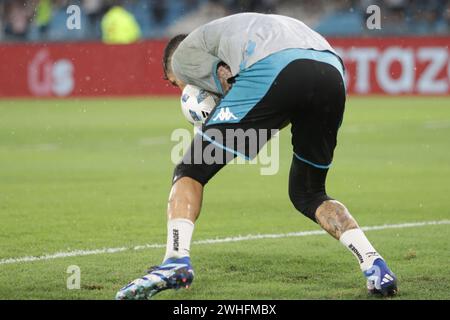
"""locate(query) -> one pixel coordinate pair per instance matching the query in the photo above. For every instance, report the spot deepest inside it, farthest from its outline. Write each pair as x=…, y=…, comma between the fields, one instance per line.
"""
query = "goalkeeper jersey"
x=239, y=40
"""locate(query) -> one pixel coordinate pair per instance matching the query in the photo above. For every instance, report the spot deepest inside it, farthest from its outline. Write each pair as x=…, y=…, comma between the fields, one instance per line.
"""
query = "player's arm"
x=225, y=77
x=192, y=63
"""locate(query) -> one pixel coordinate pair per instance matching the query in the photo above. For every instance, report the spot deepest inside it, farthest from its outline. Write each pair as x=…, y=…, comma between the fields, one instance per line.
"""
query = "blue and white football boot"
x=171, y=274
x=380, y=279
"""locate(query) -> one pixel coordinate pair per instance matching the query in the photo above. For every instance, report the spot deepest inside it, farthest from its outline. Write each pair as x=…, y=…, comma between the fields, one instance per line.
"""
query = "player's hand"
x=224, y=73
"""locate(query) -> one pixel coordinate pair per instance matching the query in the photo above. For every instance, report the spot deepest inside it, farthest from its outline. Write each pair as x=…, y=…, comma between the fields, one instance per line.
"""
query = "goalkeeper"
x=271, y=71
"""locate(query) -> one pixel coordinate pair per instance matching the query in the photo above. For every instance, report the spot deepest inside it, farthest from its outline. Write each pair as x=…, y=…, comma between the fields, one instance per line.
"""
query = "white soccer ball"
x=197, y=103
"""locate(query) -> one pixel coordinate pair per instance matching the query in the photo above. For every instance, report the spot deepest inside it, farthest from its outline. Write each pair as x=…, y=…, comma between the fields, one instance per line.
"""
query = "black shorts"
x=307, y=93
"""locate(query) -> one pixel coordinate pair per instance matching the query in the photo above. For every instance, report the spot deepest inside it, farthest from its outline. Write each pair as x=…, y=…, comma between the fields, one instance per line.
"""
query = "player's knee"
x=307, y=202
x=199, y=172
x=189, y=170
x=307, y=187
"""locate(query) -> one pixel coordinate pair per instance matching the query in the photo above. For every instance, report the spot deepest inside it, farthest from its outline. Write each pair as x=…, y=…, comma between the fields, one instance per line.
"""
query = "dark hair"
x=168, y=51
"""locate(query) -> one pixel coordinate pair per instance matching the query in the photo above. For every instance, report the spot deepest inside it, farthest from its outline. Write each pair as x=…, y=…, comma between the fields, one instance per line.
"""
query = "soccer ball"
x=197, y=103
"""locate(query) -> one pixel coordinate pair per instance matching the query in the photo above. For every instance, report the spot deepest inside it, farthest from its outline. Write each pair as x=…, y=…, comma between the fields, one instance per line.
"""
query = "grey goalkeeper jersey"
x=239, y=40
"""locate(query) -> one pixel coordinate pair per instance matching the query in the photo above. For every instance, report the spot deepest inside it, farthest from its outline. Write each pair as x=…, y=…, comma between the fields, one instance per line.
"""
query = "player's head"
x=167, y=58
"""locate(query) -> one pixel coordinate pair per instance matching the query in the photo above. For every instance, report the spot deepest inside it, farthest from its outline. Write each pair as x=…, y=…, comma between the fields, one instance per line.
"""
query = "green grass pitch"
x=92, y=174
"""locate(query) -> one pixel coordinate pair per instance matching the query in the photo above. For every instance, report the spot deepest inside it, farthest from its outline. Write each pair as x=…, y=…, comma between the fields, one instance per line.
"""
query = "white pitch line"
x=79, y=253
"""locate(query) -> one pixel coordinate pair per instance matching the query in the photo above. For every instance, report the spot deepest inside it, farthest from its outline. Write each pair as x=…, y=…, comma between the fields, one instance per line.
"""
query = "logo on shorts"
x=225, y=115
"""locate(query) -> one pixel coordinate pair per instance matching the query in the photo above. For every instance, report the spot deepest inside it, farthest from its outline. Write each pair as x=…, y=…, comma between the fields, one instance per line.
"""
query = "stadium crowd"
x=45, y=20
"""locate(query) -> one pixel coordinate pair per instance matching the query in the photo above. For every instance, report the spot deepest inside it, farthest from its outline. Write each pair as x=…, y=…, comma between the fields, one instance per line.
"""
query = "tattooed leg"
x=334, y=218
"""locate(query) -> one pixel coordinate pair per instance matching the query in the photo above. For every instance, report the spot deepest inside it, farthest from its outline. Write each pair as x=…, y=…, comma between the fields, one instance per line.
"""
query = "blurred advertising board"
x=394, y=66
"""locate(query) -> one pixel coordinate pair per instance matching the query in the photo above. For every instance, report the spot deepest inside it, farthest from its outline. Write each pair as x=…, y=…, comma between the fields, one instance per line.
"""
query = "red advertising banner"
x=82, y=69
x=418, y=65
x=392, y=66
